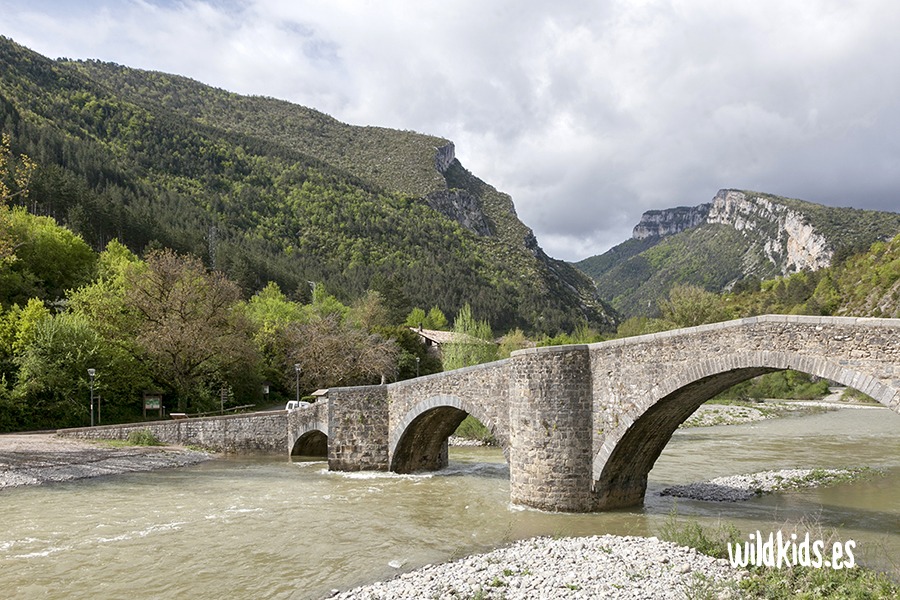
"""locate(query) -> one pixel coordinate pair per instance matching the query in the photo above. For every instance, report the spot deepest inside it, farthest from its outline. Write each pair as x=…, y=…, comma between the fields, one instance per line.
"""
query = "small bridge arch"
x=419, y=441
x=308, y=430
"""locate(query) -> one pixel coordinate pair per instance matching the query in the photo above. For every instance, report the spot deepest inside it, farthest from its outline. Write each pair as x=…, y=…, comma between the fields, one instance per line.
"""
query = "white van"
x=293, y=404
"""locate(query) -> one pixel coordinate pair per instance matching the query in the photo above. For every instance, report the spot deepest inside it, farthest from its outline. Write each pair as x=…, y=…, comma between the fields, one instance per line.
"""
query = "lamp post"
x=91, y=373
x=417, y=366
x=297, y=371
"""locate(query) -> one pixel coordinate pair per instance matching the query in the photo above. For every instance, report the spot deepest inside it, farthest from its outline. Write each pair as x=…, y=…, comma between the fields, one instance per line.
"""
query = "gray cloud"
x=586, y=113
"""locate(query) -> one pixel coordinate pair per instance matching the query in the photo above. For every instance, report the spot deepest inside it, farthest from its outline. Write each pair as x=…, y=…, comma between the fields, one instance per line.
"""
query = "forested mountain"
x=264, y=190
x=734, y=242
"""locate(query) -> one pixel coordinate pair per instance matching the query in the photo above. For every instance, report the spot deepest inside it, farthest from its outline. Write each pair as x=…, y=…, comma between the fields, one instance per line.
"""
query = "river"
x=268, y=528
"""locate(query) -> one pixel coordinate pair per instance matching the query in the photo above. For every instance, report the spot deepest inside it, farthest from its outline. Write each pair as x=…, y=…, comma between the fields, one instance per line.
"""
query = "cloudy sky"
x=586, y=112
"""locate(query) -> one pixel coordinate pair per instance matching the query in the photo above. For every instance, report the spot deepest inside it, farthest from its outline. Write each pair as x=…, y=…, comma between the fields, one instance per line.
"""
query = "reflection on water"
x=273, y=529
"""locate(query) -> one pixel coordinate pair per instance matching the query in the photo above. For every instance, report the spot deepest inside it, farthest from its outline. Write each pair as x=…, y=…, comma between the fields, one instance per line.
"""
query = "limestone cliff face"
x=660, y=223
x=457, y=204
x=444, y=157
x=784, y=236
x=462, y=207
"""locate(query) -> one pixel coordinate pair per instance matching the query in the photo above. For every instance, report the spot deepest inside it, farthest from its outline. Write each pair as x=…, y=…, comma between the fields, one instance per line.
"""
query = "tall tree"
x=191, y=335
x=473, y=342
x=335, y=353
x=15, y=175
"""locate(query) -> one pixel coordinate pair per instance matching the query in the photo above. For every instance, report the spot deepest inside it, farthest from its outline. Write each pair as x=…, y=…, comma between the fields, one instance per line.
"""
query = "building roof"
x=445, y=337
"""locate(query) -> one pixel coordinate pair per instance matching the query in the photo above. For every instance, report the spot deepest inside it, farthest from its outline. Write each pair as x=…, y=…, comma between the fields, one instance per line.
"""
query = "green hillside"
x=265, y=190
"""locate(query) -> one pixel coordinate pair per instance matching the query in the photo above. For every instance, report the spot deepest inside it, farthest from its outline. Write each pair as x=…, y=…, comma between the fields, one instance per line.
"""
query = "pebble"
x=736, y=488
x=605, y=566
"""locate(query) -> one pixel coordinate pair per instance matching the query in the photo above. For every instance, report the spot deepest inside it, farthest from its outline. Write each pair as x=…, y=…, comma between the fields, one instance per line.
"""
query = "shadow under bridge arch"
x=419, y=442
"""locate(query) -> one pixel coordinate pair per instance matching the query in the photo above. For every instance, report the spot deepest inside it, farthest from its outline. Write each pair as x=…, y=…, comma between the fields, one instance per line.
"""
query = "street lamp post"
x=297, y=371
x=91, y=373
x=417, y=366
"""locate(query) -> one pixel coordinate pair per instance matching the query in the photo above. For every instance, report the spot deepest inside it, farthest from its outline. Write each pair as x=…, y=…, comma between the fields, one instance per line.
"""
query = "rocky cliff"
x=660, y=223
x=740, y=235
x=785, y=236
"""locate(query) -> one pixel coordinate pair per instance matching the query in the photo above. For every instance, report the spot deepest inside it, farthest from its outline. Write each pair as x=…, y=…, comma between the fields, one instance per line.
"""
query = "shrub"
x=143, y=437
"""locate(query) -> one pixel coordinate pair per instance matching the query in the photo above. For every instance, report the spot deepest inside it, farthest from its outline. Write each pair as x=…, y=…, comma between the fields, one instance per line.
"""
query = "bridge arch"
x=419, y=442
x=630, y=450
x=310, y=440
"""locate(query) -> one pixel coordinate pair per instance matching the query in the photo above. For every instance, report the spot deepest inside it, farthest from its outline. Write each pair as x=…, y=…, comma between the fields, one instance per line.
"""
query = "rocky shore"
x=736, y=488
x=591, y=567
x=34, y=459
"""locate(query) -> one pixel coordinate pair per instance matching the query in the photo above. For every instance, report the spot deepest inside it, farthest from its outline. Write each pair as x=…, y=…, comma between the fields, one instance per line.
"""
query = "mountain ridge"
x=745, y=237
x=270, y=191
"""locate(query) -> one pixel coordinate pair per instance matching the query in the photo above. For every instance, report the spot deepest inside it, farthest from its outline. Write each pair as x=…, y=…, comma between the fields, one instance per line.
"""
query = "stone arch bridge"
x=582, y=425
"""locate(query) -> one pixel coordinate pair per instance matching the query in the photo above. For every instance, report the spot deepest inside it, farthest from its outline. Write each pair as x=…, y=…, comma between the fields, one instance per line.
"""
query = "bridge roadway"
x=581, y=425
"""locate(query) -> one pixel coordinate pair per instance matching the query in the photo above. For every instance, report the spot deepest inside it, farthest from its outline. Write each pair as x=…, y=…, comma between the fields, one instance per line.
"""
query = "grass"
x=796, y=582
x=473, y=429
x=138, y=437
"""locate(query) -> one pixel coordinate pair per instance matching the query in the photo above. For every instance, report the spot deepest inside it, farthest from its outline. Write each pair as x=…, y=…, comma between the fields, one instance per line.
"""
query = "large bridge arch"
x=629, y=451
x=419, y=442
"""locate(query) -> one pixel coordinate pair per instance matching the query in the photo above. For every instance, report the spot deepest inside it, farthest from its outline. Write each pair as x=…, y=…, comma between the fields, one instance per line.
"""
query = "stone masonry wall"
x=256, y=433
x=482, y=391
x=550, y=454
x=358, y=428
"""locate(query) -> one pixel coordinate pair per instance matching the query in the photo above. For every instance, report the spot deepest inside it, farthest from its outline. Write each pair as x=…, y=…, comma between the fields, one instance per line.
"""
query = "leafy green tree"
x=15, y=176
x=103, y=301
x=433, y=319
x=191, y=336
x=689, y=305
x=53, y=379
x=49, y=260
x=473, y=343
x=512, y=341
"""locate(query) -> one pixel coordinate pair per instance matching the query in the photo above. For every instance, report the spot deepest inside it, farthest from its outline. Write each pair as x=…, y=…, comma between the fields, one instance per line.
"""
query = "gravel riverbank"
x=590, y=567
x=736, y=488
x=34, y=459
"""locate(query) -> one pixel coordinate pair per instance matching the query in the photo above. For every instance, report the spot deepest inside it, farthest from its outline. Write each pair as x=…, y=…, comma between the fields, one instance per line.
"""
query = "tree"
x=49, y=259
x=473, y=343
x=15, y=175
x=191, y=335
x=53, y=376
x=333, y=353
x=434, y=319
x=689, y=305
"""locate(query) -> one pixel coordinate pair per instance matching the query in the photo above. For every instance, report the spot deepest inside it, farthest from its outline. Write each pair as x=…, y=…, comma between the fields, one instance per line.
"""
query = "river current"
x=269, y=528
